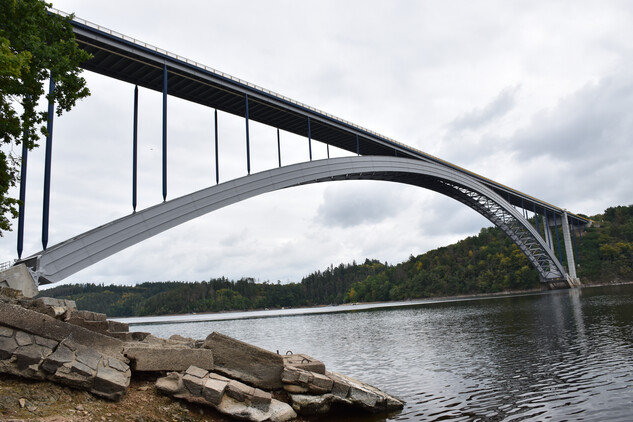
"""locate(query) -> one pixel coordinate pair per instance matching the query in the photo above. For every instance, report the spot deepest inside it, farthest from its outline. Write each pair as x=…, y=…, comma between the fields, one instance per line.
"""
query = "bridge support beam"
x=135, y=149
x=21, y=208
x=571, y=264
x=165, y=133
x=47, y=164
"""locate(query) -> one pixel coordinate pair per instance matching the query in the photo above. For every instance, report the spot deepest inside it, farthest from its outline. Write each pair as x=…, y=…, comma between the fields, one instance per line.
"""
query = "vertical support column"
x=47, y=163
x=546, y=229
x=217, y=159
x=327, y=146
x=278, y=147
x=135, y=150
x=560, y=254
x=21, y=208
x=165, y=133
x=357, y=145
x=571, y=264
x=248, y=145
x=309, y=139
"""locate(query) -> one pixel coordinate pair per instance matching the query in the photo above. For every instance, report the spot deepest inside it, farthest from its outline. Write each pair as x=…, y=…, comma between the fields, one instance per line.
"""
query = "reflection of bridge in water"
x=532, y=224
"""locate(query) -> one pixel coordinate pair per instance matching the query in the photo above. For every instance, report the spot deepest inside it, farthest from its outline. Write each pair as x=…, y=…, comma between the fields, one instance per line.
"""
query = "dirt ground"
x=26, y=400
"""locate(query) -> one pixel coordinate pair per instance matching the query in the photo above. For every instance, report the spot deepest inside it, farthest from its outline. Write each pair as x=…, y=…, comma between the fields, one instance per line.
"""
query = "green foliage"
x=33, y=45
x=487, y=263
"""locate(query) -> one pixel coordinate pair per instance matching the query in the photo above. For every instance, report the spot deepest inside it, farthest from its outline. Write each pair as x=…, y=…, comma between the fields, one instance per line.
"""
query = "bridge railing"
x=5, y=265
x=226, y=75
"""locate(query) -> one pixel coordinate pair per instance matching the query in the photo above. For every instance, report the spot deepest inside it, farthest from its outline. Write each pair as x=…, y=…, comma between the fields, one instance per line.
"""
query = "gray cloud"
x=363, y=203
x=494, y=110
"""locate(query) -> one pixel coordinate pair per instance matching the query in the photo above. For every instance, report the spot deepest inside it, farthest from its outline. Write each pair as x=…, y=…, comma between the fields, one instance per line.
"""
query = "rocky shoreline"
x=50, y=340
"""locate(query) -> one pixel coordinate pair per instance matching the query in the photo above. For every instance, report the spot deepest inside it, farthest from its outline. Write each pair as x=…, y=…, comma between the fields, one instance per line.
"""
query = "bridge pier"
x=571, y=263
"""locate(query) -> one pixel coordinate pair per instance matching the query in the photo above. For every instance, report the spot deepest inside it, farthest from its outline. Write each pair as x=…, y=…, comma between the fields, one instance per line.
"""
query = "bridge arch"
x=67, y=258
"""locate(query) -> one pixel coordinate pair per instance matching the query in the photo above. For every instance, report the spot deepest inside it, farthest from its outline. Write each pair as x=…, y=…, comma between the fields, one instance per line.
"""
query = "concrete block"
x=88, y=315
x=19, y=277
x=193, y=384
x=322, y=382
x=119, y=327
x=110, y=383
x=304, y=362
x=238, y=390
x=151, y=359
x=245, y=362
x=213, y=390
x=127, y=336
x=96, y=326
x=196, y=372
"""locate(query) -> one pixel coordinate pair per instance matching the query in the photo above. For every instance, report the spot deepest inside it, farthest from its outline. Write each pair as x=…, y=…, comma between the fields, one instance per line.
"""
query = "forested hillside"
x=486, y=263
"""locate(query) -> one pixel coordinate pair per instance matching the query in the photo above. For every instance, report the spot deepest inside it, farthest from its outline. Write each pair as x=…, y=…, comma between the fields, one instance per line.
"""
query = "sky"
x=537, y=95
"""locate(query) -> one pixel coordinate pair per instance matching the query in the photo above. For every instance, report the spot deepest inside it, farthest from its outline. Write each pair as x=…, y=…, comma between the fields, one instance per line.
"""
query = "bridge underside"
x=67, y=258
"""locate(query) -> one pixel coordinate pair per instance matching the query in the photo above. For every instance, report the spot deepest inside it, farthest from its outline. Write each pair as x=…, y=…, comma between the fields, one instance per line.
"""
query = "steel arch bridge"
x=377, y=158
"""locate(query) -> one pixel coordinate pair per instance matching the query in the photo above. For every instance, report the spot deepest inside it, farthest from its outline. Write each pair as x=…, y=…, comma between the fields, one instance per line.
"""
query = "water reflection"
x=564, y=355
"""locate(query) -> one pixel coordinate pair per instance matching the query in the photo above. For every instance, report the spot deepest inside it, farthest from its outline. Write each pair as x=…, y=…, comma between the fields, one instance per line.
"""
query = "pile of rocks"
x=50, y=339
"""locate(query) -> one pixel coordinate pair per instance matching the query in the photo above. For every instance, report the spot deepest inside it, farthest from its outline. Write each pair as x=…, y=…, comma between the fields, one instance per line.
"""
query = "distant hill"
x=487, y=263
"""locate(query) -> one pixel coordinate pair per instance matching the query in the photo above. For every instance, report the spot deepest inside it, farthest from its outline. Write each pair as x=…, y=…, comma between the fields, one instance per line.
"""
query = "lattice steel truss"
x=508, y=219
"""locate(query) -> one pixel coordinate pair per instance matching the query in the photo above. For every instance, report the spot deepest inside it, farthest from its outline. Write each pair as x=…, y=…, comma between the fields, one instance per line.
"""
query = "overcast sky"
x=537, y=95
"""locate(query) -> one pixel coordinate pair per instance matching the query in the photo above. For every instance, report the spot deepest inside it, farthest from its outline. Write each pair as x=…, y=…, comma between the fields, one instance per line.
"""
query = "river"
x=559, y=355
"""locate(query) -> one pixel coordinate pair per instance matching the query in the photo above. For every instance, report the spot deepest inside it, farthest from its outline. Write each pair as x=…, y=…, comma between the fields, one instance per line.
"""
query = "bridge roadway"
x=124, y=58
x=379, y=158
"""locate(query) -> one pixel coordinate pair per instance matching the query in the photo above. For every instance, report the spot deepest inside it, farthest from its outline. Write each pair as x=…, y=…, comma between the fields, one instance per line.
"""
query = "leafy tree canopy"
x=33, y=45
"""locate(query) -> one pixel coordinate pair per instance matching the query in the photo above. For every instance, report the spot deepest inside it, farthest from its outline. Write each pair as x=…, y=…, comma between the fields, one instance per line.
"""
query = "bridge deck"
x=124, y=58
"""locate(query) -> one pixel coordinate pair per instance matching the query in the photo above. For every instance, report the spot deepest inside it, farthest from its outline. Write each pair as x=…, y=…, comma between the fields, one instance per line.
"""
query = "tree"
x=34, y=44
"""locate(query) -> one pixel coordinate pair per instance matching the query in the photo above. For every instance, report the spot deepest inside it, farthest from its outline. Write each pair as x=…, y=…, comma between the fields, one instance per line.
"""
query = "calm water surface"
x=563, y=355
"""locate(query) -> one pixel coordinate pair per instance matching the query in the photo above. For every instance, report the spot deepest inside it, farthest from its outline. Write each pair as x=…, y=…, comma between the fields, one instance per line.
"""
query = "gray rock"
x=51, y=344
x=8, y=345
x=31, y=354
x=276, y=412
x=6, y=331
x=60, y=356
x=171, y=384
x=23, y=339
x=245, y=362
x=88, y=357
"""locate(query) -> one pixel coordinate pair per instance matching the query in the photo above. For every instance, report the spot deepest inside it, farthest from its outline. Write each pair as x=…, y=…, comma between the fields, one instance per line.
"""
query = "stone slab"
x=152, y=359
x=48, y=327
x=245, y=362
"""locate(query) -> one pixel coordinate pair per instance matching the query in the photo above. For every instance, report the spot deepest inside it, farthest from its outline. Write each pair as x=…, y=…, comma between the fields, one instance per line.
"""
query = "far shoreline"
x=333, y=308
